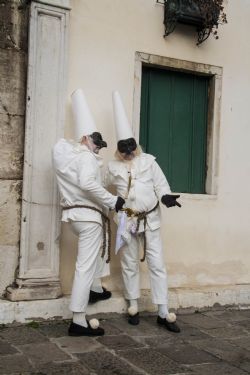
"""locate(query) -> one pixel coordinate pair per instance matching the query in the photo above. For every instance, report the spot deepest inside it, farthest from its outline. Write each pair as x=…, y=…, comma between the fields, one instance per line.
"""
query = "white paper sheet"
x=121, y=229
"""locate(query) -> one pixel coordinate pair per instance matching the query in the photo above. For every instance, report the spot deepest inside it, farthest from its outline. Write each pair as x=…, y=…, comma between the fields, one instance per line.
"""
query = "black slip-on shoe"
x=77, y=330
x=170, y=326
x=95, y=297
x=134, y=319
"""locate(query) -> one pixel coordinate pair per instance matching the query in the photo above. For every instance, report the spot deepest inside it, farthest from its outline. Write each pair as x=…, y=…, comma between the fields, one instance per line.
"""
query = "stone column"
x=38, y=275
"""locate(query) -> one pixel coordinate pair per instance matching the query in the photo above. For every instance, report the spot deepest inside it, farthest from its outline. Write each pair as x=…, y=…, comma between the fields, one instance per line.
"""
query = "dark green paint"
x=173, y=125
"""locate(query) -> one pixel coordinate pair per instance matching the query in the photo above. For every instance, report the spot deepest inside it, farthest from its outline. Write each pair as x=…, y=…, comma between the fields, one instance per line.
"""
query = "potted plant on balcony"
x=206, y=15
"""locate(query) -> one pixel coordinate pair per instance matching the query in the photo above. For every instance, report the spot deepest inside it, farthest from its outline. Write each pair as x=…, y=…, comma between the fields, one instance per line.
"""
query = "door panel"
x=174, y=125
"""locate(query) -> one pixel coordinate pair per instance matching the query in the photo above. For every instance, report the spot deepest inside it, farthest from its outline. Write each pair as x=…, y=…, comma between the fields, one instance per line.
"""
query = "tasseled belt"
x=141, y=216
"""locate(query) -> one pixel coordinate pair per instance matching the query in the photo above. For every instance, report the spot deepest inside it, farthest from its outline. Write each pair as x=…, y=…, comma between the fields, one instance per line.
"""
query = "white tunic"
x=79, y=180
x=148, y=185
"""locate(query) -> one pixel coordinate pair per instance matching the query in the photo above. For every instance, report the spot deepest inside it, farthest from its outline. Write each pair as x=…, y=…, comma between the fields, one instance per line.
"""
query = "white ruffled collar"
x=78, y=147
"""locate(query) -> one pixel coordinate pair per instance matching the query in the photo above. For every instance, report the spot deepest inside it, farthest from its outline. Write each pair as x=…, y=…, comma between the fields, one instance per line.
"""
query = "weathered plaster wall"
x=207, y=240
x=13, y=55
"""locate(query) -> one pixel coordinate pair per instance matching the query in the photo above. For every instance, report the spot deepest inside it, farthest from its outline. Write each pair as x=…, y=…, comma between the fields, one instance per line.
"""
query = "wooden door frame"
x=214, y=105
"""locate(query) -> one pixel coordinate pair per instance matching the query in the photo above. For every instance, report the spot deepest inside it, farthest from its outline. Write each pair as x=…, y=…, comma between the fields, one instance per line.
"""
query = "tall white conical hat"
x=123, y=128
x=84, y=122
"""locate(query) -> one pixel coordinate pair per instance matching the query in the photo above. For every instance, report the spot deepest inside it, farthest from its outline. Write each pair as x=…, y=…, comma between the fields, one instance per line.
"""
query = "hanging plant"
x=206, y=15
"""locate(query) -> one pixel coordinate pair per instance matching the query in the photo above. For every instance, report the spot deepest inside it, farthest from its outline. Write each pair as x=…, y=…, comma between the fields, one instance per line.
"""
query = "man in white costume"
x=140, y=181
x=83, y=199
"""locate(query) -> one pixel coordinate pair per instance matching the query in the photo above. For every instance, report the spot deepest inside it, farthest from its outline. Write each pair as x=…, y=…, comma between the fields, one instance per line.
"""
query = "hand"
x=119, y=203
x=170, y=200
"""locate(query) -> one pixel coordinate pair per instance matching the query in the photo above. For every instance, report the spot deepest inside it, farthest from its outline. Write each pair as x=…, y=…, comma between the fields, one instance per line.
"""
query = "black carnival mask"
x=127, y=146
x=97, y=140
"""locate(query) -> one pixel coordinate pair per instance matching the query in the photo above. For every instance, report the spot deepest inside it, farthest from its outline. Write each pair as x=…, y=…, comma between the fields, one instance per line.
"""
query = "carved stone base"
x=34, y=291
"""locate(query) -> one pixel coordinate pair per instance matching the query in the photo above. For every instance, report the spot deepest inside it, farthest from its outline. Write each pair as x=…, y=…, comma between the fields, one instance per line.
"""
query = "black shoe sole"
x=94, y=300
x=76, y=330
x=96, y=297
x=167, y=326
x=134, y=320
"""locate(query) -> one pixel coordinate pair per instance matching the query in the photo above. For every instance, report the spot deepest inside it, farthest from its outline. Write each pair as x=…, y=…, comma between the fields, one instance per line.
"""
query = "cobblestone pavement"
x=212, y=342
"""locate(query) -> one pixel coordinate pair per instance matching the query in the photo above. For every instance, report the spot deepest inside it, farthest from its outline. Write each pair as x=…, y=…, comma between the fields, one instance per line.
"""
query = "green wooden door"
x=173, y=125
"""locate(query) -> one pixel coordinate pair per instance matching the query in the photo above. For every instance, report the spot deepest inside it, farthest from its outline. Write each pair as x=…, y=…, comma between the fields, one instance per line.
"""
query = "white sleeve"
x=161, y=184
x=88, y=172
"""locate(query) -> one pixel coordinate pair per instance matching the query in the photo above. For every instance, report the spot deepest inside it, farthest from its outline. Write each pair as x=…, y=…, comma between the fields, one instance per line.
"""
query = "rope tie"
x=141, y=216
x=105, y=226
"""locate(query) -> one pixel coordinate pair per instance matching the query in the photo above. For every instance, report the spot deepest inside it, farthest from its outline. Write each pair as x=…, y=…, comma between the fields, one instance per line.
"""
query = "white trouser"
x=89, y=264
x=130, y=260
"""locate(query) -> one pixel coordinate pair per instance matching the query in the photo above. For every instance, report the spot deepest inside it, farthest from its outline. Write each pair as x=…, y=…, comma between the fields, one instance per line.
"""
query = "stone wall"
x=13, y=67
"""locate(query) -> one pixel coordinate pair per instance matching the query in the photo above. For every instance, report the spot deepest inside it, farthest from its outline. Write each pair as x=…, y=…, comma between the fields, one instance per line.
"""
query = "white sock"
x=133, y=307
x=80, y=319
x=97, y=286
x=162, y=311
x=133, y=303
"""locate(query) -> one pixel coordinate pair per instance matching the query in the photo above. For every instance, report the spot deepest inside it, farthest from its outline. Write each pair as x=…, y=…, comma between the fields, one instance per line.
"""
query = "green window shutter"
x=173, y=125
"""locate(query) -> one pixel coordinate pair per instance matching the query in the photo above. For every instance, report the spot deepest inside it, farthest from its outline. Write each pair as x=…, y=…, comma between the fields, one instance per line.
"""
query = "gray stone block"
x=7, y=269
x=77, y=344
x=119, y=342
x=10, y=207
x=242, y=342
x=187, y=354
x=243, y=364
x=146, y=327
x=244, y=324
x=110, y=329
x=189, y=333
x=13, y=90
x=202, y=321
x=105, y=363
x=229, y=315
x=6, y=348
x=17, y=364
x=216, y=369
x=65, y=368
x=223, y=349
x=165, y=340
x=13, y=24
x=153, y=362
x=22, y=335
x=54, y=329
x=227, y=332
x=45, y=352
x=11, y=167
x=11, y=147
